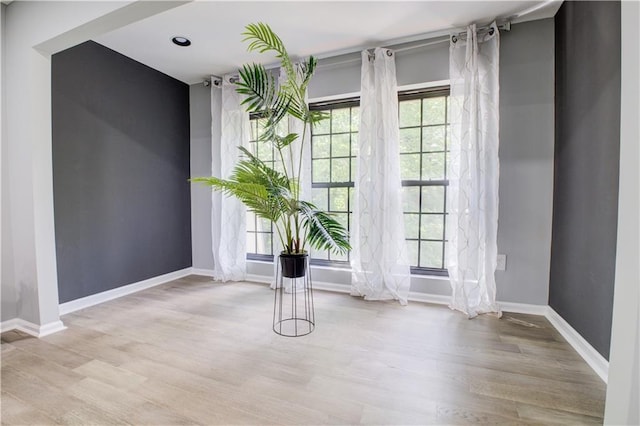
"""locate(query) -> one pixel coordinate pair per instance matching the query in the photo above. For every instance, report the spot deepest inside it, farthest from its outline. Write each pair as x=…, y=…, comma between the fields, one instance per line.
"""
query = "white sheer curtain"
x=228, y=213
x=295, y=126
x=379, y=255
x=473, y=171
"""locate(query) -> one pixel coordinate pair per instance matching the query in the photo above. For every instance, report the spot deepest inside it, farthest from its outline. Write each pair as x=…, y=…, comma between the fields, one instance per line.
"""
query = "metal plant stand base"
x=293, y=314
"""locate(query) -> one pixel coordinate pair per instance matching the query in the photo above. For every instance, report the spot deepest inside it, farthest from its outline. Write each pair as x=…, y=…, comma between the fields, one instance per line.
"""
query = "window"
x=424, y=133
x=259, y=231
x=423, y=157
x=423, y=149
x=333, y=144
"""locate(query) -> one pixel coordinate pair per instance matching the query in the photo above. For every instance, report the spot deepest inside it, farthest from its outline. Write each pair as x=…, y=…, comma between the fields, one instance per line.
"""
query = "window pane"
x=412, y=250
x=434, y=110
x=282, y=129
x=409, y=113
x=433, y=199
x=432, y=226
x=316, y=254
x=411, y=199
x=339, y=170
x=265, y=151
x=354, y=144
x=321, y=170
x=410, y=166
x=355, y=119
x=322, y=127
x=433, y=138
x=410, y=140
x=320, y=146
x=251, y=242
x=340, y=120
x=342, y=218
x=320, y=198
x=254, y=129
x=264, y=243
x=338, y=199
x=411, y=225
x=354, y=170
x=260, y=123
x=251, y=224
x=340, y=257
x=431, y=254
x=277, y=165
x=340, y=145
x=263, y=225
x=433, y=166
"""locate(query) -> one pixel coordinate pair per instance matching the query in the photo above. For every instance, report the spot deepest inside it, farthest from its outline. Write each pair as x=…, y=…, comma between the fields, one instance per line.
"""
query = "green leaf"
x=282, y=142
x=325, y=233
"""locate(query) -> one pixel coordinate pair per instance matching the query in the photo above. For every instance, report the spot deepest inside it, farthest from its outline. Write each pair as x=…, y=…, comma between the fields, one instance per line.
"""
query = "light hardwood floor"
x=198, y=352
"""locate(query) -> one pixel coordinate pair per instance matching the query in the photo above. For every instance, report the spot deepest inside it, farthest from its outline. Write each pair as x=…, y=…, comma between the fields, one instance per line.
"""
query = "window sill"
x=347, y=270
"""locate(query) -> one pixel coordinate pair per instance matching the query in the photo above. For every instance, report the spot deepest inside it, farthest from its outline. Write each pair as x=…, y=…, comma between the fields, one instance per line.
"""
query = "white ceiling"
x=321, y=28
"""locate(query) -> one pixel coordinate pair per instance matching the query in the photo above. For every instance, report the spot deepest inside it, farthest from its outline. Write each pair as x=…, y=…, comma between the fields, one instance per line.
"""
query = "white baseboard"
x=202, y=272
x=596, y=361
x=262, y=279
x=9, y=325
x=336, y=288
x=523, y=308
x=435, y=299
x=94, y=299
x=317, y=285
x=31, y=328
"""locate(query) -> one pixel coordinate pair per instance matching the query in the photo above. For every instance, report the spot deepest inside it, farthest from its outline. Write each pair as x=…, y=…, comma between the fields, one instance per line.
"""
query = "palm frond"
x=325, y=233
x=252, y=169
x=307, y=69
x=258, y=86
x=281, y=142
x=263, y=39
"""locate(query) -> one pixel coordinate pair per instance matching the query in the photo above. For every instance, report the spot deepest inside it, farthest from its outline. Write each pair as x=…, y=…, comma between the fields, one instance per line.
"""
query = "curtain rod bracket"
x=217, y=81
x=503, y=26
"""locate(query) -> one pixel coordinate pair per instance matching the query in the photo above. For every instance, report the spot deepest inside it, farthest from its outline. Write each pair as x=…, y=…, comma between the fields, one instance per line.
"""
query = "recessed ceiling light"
x=181, y=41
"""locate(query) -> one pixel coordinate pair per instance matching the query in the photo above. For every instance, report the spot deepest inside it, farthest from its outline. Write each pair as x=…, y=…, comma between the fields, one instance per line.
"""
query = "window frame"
x=349, y=102
x=432, y=92
x=260, y=256
x=354, y=101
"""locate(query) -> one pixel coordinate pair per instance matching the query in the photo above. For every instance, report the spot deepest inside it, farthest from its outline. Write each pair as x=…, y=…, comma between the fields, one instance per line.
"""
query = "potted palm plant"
x=274, y=193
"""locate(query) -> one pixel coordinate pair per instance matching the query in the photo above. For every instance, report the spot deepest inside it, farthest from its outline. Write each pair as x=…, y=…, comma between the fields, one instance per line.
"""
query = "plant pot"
x=293, y=265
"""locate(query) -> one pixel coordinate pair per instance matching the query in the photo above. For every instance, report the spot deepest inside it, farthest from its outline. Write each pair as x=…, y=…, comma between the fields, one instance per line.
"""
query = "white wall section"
x=624, y=375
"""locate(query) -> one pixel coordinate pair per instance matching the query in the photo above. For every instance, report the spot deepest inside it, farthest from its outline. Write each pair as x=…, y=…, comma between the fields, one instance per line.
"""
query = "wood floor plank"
x=15, y=411
x=197, y=352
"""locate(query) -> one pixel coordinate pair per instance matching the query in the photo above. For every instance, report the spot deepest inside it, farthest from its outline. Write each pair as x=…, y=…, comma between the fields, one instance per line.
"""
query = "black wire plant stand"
x=293, y=312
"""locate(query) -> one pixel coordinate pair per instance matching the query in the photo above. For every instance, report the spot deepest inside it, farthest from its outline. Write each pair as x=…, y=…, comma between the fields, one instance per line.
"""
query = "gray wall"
x=7, y=286
x=120, y=169
x=587, y=154
x=526, y=161
x=526, y=151
x=200, y=107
